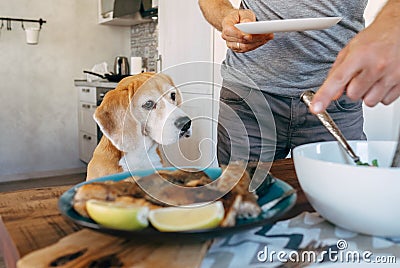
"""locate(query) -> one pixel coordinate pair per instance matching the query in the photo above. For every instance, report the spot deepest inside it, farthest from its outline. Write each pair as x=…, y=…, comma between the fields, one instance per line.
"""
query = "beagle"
x=140, y=114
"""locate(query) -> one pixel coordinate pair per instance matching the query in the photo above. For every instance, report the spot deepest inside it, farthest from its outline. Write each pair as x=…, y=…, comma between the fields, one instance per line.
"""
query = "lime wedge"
x=173, y=219
x=118, y=215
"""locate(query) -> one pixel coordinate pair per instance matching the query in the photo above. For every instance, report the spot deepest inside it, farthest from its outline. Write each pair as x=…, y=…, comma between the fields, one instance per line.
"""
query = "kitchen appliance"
x=121, y=66
x=110, y=76
x=136, y=9
x=100, y=93
x=136, y=66
x=149, y=8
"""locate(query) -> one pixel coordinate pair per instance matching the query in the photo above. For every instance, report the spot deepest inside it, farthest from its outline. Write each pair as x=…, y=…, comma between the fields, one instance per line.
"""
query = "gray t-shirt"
x=294, y=61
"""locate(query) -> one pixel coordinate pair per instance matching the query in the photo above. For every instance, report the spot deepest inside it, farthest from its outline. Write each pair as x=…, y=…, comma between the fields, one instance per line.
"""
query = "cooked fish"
x=247, y=206
x=178, y=187
x=107, y=191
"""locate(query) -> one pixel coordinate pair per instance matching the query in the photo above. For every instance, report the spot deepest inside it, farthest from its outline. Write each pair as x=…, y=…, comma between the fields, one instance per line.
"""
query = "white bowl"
x=358, y=198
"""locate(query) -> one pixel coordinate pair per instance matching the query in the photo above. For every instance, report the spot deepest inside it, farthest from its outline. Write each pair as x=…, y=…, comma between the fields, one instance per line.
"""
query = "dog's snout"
x=183, y=123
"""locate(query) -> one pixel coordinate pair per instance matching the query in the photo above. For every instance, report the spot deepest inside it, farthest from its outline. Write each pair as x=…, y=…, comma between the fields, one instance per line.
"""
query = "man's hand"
x=236, y=39
x=223, y=16
x=368, y=67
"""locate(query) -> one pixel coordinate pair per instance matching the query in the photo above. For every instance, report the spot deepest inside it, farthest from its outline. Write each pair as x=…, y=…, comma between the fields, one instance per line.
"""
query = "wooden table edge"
x=8, y=248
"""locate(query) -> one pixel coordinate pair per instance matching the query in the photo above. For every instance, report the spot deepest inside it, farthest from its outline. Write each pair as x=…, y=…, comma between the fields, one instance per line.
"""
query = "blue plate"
x=274, y=189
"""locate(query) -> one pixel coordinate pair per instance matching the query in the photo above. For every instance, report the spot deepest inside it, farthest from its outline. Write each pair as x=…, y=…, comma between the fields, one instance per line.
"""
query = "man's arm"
x=223, y=16
x=368, y=67
x=215, y=11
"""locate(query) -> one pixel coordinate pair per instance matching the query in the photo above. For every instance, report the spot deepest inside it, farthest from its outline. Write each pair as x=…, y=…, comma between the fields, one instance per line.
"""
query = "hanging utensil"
x=1, y=26
x=328, y=122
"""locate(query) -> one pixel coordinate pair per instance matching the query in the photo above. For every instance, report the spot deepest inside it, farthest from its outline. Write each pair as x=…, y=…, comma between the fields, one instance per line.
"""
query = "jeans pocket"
x=345, y=104
x=236, y=96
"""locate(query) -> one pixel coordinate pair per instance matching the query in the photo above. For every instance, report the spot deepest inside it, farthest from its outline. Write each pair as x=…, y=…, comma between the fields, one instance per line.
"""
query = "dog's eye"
x=148, y=105
x=173, y=96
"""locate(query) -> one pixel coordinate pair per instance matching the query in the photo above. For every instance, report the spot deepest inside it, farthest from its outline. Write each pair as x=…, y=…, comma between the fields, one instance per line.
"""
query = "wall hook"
x=41, y=23
x=8, y=22
x=1, y=26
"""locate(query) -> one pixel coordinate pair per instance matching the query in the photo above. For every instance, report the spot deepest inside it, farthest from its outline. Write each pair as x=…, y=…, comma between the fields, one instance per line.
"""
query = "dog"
x=140, y=114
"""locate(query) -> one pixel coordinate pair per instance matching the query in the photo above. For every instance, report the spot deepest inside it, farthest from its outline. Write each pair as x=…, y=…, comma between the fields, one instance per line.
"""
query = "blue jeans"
x=257, y=126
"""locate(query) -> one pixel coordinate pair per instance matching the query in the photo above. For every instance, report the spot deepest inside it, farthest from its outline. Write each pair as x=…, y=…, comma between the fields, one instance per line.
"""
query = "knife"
x=267, y=206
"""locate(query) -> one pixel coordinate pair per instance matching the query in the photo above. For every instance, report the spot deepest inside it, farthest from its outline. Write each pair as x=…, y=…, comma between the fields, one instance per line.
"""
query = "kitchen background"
x=38, y=118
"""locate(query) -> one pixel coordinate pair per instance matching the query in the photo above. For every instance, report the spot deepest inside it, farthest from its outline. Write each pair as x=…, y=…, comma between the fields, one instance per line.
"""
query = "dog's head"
x=146, y=104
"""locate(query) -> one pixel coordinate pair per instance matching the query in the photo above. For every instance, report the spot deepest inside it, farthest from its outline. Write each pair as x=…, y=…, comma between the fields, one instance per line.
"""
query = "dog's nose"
x=183, y=123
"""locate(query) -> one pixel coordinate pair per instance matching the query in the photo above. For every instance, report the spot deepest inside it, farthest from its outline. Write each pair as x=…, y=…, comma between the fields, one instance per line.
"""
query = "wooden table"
x=30, y=221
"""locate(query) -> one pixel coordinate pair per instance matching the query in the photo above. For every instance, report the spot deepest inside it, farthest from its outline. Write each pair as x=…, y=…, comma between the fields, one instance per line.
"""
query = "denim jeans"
x=257, y=126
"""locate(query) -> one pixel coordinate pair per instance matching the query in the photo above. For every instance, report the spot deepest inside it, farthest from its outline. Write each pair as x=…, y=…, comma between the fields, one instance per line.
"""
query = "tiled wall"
x=144, y=39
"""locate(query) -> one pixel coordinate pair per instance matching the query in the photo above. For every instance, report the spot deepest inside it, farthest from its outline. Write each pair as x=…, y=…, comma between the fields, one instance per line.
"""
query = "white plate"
x=289, y=25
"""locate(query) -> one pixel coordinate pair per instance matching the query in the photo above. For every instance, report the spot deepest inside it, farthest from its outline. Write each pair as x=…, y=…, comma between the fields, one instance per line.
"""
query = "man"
x=363, y=63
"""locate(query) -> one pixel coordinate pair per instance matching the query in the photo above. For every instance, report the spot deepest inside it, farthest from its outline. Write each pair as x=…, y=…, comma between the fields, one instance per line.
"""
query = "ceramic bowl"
x=362, y=199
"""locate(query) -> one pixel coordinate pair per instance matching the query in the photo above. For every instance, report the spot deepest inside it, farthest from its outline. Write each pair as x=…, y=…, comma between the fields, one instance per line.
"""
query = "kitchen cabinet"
x=191, y=51
x=90, y=94
x=106, y=15
x=86, y=123
x=186, y=53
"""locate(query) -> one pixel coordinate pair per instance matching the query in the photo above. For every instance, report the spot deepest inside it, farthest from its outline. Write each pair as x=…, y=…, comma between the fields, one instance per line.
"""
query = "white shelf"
x=107, y=19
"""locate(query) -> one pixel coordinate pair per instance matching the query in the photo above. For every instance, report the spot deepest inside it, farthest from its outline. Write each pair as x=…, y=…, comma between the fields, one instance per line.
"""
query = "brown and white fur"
x=140, y=114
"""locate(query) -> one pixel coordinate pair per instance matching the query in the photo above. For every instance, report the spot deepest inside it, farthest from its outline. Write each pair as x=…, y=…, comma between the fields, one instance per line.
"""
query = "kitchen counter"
x=96, y=83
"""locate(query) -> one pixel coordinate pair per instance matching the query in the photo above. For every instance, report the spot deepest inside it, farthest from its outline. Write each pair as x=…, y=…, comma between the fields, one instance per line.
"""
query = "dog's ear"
x=114, y=120
x=113, y=115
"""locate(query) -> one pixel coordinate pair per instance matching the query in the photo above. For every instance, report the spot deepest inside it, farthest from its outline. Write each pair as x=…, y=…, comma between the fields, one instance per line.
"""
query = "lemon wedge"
x=118, y=215
x=174, y=219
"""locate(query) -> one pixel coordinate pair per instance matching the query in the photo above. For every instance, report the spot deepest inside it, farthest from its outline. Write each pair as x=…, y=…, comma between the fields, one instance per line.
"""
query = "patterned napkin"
x=306, y=240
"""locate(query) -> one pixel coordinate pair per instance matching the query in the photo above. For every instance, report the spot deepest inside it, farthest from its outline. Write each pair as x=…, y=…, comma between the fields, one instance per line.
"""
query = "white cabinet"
x=184, y=35
x=87, y=145
x=90, y=96
x=87, y=125
x=186, y=48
